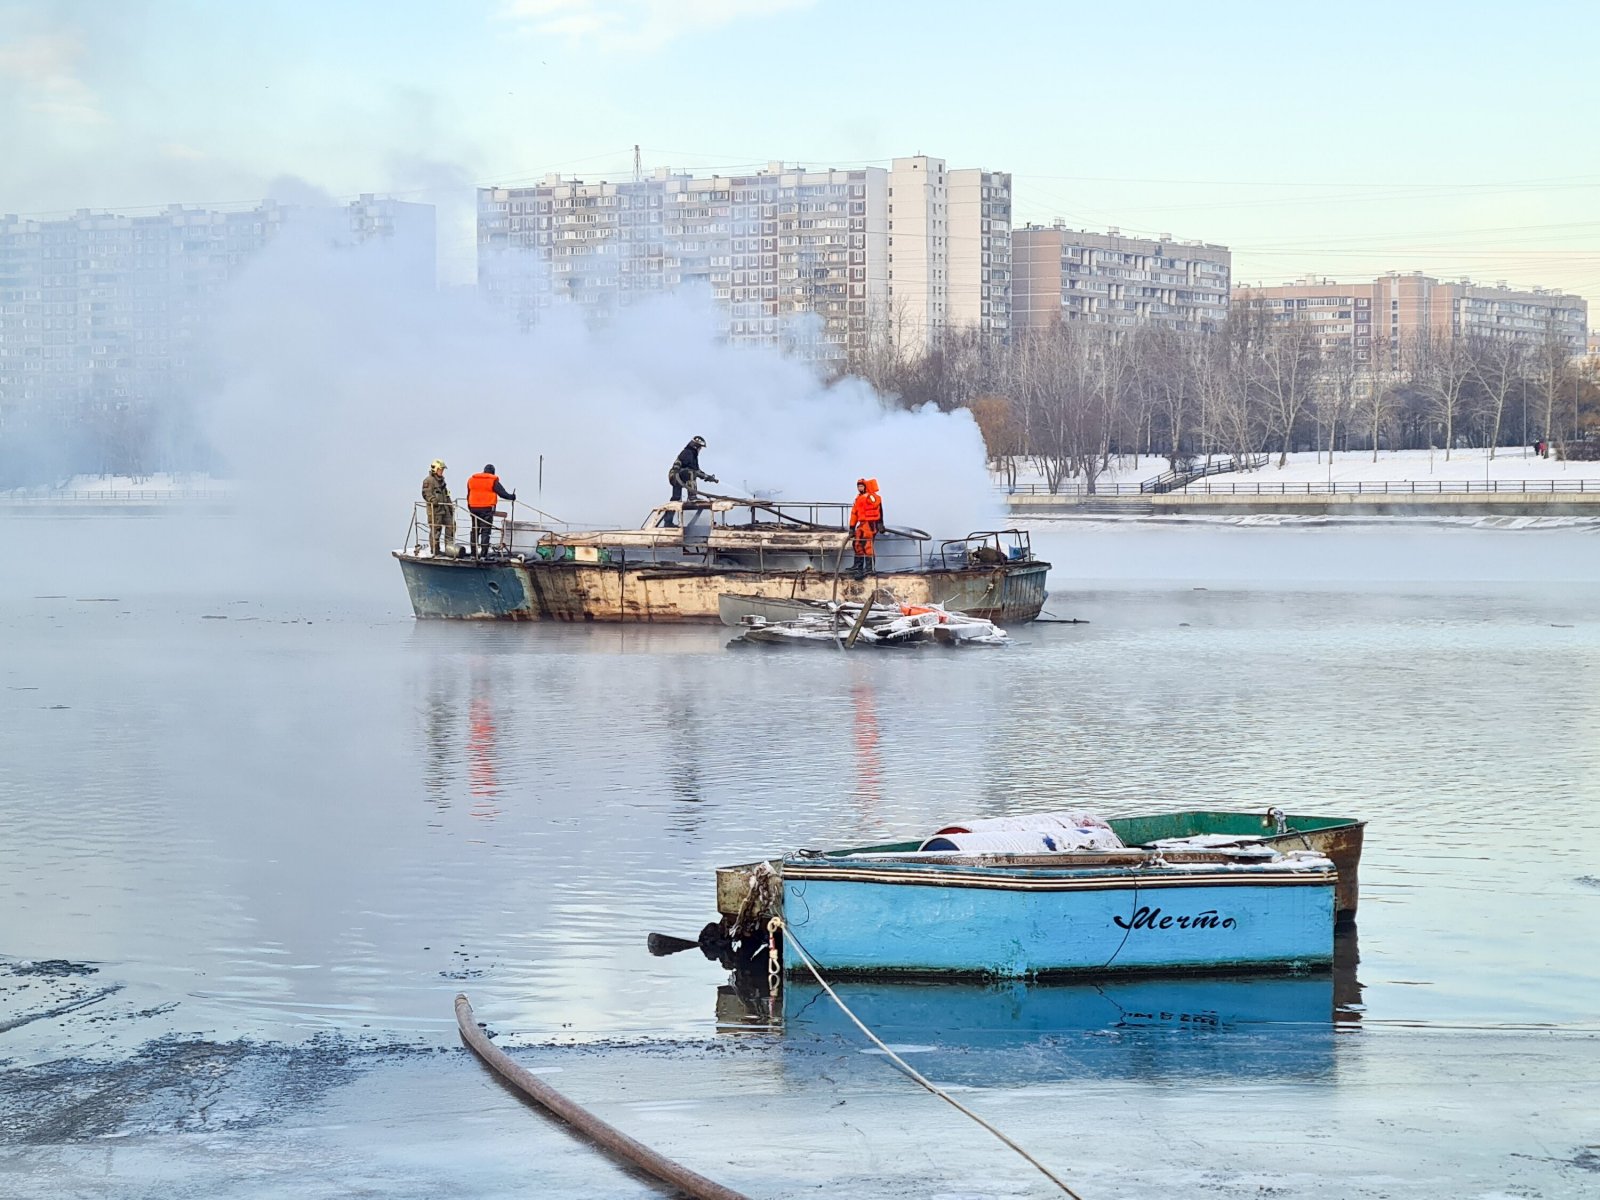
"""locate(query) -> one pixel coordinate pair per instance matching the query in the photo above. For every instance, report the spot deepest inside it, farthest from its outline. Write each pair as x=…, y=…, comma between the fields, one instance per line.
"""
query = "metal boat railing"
x=504, y=527
x=531, y=532
x=973, y=547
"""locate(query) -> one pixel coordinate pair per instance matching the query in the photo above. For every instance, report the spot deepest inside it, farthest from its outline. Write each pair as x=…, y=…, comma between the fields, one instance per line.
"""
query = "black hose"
x=609, y=1138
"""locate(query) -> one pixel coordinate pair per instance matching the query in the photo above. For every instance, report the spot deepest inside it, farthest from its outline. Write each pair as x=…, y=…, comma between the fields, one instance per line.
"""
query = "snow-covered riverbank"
x=1508, y=465
x=120, y=490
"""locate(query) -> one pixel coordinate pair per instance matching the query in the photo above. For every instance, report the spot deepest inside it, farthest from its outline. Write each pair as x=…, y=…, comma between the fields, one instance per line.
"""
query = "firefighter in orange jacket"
x=866, y=519
x=482, y=491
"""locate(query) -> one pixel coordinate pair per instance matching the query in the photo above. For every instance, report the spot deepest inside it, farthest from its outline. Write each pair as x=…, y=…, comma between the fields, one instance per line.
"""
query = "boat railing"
x=513, y=530
x=996, y=546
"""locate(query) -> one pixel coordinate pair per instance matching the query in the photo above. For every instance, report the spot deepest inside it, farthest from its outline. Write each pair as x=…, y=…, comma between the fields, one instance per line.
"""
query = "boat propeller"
x=712, y=942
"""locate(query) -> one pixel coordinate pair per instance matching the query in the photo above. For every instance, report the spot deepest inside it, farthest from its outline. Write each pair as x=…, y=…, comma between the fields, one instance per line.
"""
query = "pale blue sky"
x=1344, y=139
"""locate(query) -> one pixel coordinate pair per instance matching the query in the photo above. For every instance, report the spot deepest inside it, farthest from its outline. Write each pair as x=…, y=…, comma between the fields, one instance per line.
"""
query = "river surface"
x=282, y=816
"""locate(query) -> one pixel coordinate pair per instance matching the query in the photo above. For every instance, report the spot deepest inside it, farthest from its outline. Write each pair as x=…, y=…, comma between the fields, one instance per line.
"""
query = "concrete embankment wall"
x=1379, y=504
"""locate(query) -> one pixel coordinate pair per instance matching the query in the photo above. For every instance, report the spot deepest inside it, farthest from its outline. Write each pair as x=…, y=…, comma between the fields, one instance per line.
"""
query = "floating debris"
x=880, y=624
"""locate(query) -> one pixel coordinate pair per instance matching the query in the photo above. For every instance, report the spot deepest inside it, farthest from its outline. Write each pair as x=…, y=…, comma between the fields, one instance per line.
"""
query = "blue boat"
x=1019, y=915
x=999, y=899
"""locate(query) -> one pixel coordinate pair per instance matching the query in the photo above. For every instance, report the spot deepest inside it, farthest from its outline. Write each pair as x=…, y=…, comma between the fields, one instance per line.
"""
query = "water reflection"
x=1347, y=990
x=1031, y=1031
x=483, y=775
x=869, y=765
x=461, y=726
x=685, y=735
x=441, y=724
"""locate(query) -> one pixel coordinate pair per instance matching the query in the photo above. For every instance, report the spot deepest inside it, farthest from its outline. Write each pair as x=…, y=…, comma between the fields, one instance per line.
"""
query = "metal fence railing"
x=110, y=496
x=1367, y=487
x=1180, y=477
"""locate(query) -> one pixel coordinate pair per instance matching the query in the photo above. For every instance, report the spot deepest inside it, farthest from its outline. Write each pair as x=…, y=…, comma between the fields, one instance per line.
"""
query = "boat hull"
x=537, y=590
x=935, y=919
x=465, y=590
x=1339, y=838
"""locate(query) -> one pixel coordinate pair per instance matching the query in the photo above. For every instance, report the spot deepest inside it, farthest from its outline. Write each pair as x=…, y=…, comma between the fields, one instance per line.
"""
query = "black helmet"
x=697, y=440
x=488, y=468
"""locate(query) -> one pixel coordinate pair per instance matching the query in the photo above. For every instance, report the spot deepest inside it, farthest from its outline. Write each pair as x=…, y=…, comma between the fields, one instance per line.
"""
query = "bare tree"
x=1497, y=365
x=1341, y=383
x=1374, y=399
x=1286, y=365
x=1443, y=369
x=1228, y=416
x=1550, y=368
x=1162, y=374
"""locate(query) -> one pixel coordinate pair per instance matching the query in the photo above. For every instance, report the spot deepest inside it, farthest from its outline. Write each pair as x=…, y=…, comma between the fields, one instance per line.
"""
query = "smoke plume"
x=340, y=376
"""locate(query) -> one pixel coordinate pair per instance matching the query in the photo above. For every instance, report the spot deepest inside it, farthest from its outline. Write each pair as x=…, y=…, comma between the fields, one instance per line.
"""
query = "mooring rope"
x=607, y=1137
x=805, y=957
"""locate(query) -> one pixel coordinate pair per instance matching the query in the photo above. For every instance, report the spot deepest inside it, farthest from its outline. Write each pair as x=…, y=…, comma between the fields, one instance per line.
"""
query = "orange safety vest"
x=480, y=490
x=868, y=507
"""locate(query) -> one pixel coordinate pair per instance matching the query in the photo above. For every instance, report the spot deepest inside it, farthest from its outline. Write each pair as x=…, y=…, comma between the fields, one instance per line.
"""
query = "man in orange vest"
x=482, y=489
x=866, y=519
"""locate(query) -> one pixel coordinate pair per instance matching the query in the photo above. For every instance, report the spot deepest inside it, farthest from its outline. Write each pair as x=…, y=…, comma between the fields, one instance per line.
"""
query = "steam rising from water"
x=341, y=376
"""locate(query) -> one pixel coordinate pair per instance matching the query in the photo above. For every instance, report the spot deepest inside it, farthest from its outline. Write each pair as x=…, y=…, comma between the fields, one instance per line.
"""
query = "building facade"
x=101, y=312
x=980, y=251
x=1373, y=320
x=1061, y=275
x=818, y=261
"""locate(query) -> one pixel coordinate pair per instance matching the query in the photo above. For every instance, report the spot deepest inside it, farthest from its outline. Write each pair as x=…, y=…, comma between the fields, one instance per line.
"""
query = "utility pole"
x=638, y=169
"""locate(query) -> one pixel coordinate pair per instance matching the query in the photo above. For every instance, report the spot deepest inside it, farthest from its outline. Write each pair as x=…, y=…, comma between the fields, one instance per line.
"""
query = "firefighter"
x=685, y=472
x=482, y=491
x=441, y=509
x=866, y=520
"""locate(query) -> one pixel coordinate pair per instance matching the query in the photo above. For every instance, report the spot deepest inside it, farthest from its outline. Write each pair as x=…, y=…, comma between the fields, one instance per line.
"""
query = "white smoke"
x=339, y=377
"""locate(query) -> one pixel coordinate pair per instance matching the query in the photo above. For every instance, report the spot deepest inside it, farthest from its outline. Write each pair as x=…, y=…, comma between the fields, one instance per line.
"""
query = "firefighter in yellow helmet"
x=441, y=509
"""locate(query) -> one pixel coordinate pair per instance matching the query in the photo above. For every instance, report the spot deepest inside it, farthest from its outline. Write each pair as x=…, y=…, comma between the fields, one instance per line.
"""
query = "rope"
x=912, y=1071
x=607, y=1137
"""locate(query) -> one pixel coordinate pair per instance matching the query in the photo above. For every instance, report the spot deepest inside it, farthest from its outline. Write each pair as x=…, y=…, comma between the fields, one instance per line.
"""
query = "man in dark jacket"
x=482, y=490
x=685, y=472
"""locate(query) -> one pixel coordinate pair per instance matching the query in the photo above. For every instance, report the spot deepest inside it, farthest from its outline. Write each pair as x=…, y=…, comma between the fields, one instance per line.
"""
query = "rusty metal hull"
x=1342, y=844
x=606, y=591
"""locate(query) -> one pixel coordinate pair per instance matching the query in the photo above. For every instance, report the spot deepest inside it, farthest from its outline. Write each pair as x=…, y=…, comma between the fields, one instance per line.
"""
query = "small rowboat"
x=1036, y=897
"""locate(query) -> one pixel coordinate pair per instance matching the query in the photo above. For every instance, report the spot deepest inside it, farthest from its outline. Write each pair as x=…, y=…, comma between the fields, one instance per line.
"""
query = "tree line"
x=1074, y=397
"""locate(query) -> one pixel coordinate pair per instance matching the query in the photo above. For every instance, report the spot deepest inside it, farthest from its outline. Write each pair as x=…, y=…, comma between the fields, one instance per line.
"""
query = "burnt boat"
x=686, y=554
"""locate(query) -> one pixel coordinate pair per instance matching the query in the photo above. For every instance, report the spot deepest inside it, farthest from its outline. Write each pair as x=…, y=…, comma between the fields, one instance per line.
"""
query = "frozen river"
x=255, y=834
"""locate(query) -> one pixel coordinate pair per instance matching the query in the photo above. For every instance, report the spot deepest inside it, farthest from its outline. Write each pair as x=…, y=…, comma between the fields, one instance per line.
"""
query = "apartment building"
x=1374, y=319
x=102, y=311
x=821, y=262
x=979, y=276
x=1061, y=274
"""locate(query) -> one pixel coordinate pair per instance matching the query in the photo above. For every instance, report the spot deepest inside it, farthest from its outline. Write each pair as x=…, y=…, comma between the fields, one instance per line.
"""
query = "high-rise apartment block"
x=1061, y=274
x=979, y=274
x=101, y=311
x=1373, y=320
x=823, y=261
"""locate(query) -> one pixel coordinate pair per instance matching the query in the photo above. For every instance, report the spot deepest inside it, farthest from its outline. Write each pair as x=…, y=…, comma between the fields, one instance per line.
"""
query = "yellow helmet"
x=436, y=465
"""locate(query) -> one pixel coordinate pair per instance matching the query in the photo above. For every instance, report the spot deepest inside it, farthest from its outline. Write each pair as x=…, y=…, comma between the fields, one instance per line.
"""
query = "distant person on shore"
x=482, y=490
x=866, y=519
x=685, y=472
x=441, y=509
